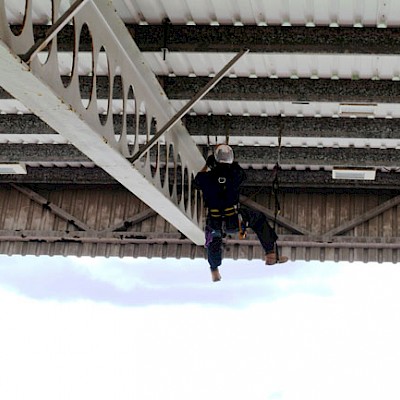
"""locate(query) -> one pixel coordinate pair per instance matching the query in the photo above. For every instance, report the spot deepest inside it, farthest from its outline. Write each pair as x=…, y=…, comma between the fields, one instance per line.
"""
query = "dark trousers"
x=256, y=220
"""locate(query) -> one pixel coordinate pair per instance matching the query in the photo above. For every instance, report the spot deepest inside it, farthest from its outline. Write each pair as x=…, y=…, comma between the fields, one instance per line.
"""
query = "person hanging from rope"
x=220, y=180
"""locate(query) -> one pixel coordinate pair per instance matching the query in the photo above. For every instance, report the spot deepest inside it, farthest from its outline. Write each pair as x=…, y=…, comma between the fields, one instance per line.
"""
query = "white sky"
x=160, y=329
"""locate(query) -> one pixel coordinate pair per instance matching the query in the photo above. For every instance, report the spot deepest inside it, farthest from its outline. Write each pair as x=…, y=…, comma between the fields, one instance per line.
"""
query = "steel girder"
x=239, y=126
x=299, y=90
x=60, y=104
x=257, y=157
x=378, y=133
x=257, y=179
x=259, y=39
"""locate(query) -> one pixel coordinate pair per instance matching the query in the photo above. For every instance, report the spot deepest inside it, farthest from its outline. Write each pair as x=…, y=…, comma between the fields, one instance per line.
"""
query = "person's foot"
x=271, y=259
x=215, y=275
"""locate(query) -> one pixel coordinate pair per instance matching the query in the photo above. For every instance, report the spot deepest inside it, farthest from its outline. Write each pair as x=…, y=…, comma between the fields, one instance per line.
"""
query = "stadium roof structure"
x=108, y=109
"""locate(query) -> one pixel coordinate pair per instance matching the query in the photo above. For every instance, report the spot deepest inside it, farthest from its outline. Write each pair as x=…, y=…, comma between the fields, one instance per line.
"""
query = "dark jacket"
x=221, y=185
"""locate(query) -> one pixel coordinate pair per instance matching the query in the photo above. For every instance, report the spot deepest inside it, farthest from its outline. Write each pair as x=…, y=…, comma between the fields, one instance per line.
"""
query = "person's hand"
x=211, y=163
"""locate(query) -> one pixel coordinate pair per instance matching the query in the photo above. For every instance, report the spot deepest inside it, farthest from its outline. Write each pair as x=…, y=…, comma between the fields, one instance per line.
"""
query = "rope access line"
x=275, y=184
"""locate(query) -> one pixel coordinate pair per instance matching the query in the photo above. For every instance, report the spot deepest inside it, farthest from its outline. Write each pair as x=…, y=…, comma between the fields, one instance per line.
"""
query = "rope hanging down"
x=227, y=128
x=275, y=185
x=275, y=182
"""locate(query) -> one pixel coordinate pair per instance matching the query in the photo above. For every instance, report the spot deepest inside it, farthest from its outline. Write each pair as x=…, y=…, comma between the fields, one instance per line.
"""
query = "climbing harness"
x=226, y=212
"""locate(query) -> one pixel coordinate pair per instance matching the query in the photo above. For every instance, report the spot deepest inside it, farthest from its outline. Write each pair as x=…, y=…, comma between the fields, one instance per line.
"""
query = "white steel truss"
x=38, y=85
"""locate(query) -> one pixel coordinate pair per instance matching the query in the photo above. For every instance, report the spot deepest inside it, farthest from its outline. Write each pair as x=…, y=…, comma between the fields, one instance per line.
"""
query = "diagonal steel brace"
x=179, y=115
x=53, y=30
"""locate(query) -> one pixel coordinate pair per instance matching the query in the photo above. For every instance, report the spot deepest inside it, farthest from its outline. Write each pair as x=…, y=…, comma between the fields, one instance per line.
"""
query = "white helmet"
x=223, y=153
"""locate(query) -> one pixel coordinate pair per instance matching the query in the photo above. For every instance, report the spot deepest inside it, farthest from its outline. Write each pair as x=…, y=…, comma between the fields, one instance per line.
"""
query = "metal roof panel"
x=295, y=12
x=248, y=12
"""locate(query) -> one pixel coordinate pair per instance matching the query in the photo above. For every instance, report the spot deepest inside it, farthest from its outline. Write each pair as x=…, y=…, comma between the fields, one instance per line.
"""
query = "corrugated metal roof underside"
x=295, y=12
x=278, y=65
x=274, y=65
x=245, y=108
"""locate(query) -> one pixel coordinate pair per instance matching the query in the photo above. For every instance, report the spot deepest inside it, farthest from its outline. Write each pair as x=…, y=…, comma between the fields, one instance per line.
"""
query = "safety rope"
x=275, y=186
x=166, y=24
x=227, y=130
x=275, y=193
x=227, y=134
x=275, y=182
x=209, y=150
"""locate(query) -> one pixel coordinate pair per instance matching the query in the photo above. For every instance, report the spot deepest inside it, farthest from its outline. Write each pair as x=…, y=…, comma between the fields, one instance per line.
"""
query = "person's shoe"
x=215, y=275
x=271, y=259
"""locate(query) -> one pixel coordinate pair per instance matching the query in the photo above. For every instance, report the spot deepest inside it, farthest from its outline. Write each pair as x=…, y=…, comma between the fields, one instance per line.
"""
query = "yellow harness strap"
x=226, y=212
